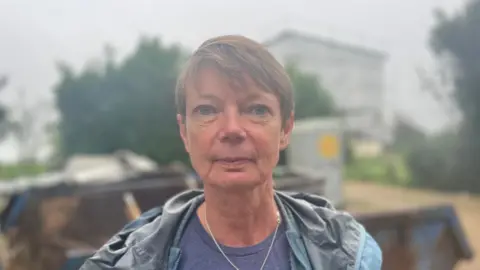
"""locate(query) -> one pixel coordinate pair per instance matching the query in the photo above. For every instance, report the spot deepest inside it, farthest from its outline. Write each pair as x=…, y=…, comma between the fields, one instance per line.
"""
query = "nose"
x=232, y=130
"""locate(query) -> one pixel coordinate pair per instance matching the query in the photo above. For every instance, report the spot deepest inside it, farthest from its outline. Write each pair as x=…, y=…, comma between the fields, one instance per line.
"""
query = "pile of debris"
x=81, y=208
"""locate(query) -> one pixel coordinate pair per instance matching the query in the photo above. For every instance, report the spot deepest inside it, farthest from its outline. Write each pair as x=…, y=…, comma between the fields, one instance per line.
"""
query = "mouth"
x=233, y=161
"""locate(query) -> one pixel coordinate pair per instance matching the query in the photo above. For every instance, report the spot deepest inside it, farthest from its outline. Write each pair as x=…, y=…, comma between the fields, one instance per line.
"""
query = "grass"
x=388, y=169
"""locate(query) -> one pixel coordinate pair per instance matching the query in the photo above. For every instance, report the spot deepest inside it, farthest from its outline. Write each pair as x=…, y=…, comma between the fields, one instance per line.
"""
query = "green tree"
x=432, y=162
x=6, y=124
x=457, y=39
x=311, y=99
x=129, y=105
x=3, y=110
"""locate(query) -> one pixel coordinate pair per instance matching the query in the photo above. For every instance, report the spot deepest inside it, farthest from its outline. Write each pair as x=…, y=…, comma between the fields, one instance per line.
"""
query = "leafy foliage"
x=407, y=138
x=432, y=163
x=4, y=122
x=388, y=169
x=125, y=106
x=458, y=39
x=8, y=172
x=311, y=99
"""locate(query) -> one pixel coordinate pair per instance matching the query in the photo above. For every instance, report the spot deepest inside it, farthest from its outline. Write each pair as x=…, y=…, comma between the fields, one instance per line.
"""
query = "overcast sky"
x=35, y=34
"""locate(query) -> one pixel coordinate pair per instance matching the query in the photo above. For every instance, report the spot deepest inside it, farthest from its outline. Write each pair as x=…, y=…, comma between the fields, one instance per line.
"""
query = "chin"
x=241, y=180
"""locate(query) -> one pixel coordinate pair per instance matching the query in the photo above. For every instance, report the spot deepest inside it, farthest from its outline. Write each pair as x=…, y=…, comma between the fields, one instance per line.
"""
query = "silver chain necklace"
x=223, y=253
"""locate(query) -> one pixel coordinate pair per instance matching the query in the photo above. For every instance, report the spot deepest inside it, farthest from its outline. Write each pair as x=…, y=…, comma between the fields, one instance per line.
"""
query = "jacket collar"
x=311, y=226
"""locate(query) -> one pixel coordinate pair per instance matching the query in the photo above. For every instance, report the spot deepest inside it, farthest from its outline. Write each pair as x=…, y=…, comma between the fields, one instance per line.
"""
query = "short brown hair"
x=237, y=56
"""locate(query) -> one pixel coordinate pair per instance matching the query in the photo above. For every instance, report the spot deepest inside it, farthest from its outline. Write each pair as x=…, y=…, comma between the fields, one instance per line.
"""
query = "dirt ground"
x=368, y=197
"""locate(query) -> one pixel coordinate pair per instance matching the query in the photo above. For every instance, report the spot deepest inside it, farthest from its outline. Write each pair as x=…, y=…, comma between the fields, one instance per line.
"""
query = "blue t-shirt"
x=199, y=252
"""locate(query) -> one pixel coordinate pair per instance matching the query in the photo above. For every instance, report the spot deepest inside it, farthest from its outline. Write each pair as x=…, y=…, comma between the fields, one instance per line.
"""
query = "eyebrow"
x=209, y=97
x=248, y=98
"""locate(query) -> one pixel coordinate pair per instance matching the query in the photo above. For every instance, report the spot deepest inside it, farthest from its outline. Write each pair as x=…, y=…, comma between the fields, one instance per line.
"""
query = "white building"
x=354, y=75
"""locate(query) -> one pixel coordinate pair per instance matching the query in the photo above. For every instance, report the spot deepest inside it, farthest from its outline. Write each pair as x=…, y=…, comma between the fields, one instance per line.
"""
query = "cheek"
x=267, y=143
x=199, y=140
x=197, y=134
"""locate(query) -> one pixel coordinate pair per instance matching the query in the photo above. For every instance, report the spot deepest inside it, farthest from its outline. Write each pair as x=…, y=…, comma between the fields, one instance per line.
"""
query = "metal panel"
x=316, y=151
x=428, y=238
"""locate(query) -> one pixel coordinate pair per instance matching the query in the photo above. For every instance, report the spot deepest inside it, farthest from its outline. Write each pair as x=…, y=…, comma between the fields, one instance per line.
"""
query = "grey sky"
x=35, y=34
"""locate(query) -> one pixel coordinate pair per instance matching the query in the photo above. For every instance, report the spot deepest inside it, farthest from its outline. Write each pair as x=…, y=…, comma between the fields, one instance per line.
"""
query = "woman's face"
x=233, y=136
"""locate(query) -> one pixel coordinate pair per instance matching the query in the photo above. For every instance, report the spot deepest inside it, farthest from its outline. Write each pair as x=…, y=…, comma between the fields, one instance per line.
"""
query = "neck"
x=239, y=218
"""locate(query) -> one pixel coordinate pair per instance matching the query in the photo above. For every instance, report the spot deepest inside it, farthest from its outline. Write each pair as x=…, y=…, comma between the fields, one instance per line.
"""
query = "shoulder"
x=322, y=223
x=356, y=242
x=120, y=244
x=147, y=236
x=369, y=255
x=137, y=229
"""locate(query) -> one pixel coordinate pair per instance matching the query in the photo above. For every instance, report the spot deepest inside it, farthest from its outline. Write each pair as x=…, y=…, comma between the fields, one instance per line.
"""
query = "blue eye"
x=259, y=110
x=205, y=110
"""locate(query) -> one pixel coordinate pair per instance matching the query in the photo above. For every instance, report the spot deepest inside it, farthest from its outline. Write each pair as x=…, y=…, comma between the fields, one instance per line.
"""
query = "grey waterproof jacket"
x=320, y=237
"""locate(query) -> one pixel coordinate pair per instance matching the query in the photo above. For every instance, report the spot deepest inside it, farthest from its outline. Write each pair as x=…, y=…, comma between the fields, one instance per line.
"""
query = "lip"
x=232, y=161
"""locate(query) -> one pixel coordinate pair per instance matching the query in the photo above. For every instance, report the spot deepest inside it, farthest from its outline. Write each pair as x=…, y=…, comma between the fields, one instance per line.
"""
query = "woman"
x=235, y=114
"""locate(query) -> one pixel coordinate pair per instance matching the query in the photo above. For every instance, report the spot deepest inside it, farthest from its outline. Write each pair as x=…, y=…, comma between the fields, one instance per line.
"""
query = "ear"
x=183, y=130
x=286, y=132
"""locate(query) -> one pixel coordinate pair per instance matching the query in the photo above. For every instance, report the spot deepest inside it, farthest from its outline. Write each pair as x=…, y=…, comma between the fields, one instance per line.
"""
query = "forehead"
x=212, y=82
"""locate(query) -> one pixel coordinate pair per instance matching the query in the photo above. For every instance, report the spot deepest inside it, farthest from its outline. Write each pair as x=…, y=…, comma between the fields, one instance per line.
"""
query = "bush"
x=388, y=169
x=25, y=169
x=432, y=164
